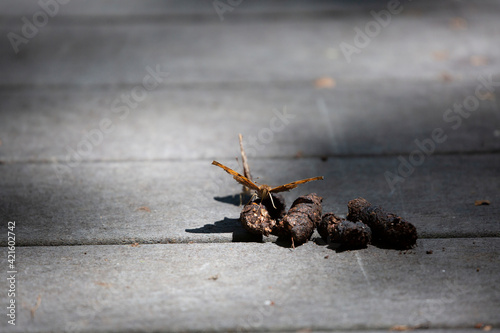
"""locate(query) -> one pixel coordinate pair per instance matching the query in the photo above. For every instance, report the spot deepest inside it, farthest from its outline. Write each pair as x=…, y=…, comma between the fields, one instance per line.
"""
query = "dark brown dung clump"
x=388, y=229
x=255, y=219
x=301, y=219
x=345, y=234
x=280, y=204
x=259, y=217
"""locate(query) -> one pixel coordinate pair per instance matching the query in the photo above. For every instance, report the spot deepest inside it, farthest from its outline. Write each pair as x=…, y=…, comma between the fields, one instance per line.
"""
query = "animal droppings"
x=388, y=229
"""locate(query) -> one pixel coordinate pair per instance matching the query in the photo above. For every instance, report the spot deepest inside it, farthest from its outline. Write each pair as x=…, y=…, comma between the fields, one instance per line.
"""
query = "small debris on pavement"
x=478, y=60
x=269, y=302
x=325, y=82
x=458, y=23
x=482, y=202
x=401, y=328
x=446, y=77
x=37, y=305
x=481, y=326
x=441, y=55
x=145, y=209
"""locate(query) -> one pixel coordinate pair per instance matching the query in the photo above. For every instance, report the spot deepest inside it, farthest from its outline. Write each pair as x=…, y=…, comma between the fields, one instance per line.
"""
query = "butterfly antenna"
x=246, y=168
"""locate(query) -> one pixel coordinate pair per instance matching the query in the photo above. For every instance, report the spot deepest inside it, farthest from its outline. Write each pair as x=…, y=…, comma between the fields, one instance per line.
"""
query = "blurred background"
x=348, y=70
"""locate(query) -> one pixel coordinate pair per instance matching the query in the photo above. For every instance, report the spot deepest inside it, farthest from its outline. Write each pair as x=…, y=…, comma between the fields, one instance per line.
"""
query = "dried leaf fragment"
x=401, y=328
x=325, y=82
x=458, y=23
x=37, y=305
x=478, y=60
x=145, y=209
x=441, y=55
x=446, y=77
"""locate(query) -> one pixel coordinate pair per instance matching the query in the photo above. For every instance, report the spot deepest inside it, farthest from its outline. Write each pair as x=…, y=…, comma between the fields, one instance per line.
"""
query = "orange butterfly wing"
x=289, y=186
x=239, y=178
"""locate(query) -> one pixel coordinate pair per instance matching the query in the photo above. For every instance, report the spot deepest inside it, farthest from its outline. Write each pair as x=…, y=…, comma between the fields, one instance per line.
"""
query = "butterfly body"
x=263, y=190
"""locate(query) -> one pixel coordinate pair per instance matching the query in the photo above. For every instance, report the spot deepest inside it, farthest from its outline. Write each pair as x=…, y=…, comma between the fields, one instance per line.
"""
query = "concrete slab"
x=198, y=121
x=115, y=52
x=171, y=8
x=255, y=287
x=160, y=202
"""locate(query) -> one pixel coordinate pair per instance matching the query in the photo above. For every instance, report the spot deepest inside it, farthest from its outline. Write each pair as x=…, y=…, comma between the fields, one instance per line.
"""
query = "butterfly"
x=264, y=190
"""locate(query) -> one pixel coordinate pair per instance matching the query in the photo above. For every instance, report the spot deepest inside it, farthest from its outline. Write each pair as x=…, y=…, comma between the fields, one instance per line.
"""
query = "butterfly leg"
x=253, y=196
x=270, y=196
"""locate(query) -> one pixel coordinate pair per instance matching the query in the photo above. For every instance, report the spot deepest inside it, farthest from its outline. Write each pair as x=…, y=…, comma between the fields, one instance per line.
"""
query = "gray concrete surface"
x=254, y=48
x=122, y=223
x=100, y=203
x=170, y=124
x=221, y=287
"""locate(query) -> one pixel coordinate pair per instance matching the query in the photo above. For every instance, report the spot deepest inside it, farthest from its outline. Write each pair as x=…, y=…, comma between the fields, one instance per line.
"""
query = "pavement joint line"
x=218, y=84
x=216, y=242
x=311, y=15
x=280, y=158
